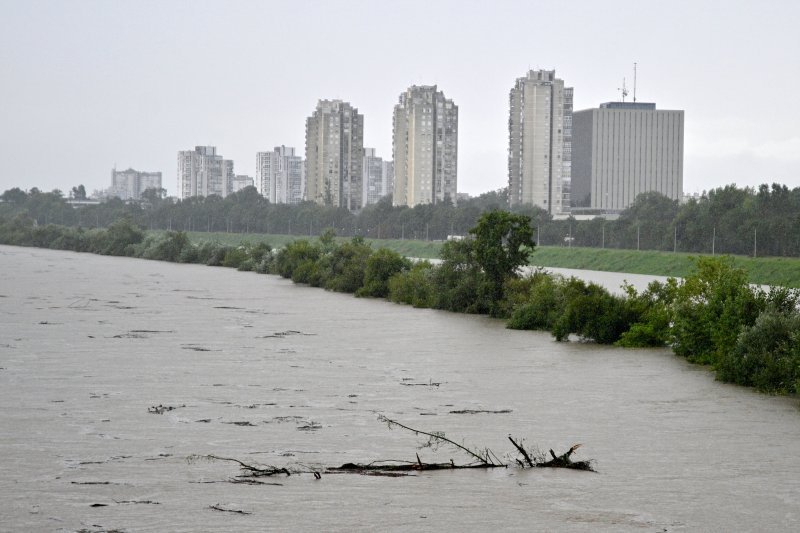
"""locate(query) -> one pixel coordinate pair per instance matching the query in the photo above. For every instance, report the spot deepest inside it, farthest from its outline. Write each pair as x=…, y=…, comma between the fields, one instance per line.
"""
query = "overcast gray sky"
x=90, y=84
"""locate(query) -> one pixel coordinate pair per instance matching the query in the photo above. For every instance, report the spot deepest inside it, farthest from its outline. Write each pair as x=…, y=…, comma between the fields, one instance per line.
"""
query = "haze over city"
x=88, y=85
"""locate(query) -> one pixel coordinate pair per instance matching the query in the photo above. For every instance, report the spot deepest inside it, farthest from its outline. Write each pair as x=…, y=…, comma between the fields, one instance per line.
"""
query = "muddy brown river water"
x=266, y=371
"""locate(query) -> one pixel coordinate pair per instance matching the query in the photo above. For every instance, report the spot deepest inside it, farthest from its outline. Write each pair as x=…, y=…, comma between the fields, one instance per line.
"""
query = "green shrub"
x=234, y=257
x=248, y=265
x=654, y=308
x=166, y=247
x=766, y=355
x=381, y=266
x=413, y=287
x=345, y=266
x=712, y=306
x=211, y=253
x=120, y=238
x=591, y=312
x=544, y=305
x=292, y=255
x=307, y=271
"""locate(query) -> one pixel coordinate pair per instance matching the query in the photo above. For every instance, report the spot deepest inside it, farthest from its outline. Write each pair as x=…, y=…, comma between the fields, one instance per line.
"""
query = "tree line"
x=713, y=316
x=763, y=221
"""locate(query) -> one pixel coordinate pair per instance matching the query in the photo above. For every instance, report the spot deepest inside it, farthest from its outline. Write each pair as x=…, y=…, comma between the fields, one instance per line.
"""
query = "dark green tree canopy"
x=503, y=243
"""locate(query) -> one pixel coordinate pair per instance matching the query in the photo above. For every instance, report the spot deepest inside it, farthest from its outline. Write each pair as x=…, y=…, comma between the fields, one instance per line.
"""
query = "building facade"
x=239, y=182
x=203, y=172
x=280, y=176
x=540, y=142
x=334, y=155
x=377, y=177
x=130, y=184
x=425, y=147
x=624, y=149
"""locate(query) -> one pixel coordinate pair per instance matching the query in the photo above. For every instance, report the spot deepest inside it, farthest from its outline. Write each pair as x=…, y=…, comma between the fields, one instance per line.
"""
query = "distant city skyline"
x=89, y=84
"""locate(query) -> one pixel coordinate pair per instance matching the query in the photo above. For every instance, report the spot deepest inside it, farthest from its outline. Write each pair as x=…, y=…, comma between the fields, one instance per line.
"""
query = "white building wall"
x=334, y=153
x=425, y=147
x=622, y=152
x=540, y=118
x=202, y=172
x=280, y=175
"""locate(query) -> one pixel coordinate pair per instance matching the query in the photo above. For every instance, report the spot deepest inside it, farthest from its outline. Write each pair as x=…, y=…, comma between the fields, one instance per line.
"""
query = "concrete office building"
x=280, y=175
x=334, y=155
x=540, y=142
x=377, y=178
x=130, y=184
x=425, y=147
x=203, y=172
x=624, y=149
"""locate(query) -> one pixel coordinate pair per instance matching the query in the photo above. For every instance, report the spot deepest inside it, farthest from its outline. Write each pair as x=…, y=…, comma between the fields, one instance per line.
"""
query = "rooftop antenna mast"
x=623, y=90
x=634, y=82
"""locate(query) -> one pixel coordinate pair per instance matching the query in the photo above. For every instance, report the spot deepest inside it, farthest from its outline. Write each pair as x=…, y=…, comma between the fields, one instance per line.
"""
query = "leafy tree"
x=15, y=196
x=460, y=283
x=79, y=192
x=503, y=243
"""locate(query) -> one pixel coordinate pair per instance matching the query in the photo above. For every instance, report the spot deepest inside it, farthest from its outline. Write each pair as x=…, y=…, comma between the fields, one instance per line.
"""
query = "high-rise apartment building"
x=130, y=184
x=624, y=149
x=540, y=141
x=280, y=175
x=425, y=147
x=202, y=172
x=377, y=177
x=334, y=154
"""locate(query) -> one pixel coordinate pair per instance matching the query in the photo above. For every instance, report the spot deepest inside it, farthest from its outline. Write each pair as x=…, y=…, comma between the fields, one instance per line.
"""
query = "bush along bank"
x=713, y=316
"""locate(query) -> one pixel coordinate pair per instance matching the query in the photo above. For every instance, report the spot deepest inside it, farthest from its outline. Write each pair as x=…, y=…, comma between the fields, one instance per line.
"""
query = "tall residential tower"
x=540, y=142
x=377, y=178
x=425, y=147
x=334, y=154
x=280, y=175
x=202, y=172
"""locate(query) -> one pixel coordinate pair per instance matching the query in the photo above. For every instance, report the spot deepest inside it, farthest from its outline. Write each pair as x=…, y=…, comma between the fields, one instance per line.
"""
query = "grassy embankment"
x=763, y=270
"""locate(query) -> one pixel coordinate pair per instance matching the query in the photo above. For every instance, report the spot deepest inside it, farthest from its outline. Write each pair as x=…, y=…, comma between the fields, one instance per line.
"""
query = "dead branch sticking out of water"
x=247, y=470
x=485, y=458
x=218, y=507
x=430, y=383
x=557, y=461
x=393, y=468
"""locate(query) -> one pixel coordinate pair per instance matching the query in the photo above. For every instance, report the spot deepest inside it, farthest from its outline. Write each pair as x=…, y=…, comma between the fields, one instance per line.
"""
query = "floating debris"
x=217, y=507
x=161, y=409
x=480, y=411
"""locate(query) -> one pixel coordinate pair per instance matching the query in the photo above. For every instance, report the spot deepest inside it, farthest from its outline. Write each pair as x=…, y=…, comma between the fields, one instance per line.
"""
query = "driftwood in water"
x=480, y=458
x=485, y=458
x=247, y=470
x=556, y=461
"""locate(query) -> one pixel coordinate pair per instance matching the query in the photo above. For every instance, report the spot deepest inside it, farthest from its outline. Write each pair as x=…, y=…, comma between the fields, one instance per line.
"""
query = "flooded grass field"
x=114, y=372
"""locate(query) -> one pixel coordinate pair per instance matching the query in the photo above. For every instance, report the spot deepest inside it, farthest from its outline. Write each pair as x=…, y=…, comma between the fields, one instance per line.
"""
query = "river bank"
x=773, y=271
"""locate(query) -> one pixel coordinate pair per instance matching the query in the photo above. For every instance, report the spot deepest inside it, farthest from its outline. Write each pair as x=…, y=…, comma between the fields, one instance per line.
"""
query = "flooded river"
x=266, y=371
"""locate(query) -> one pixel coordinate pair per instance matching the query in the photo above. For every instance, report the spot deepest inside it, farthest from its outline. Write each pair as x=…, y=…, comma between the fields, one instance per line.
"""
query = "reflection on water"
x=113, y=371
